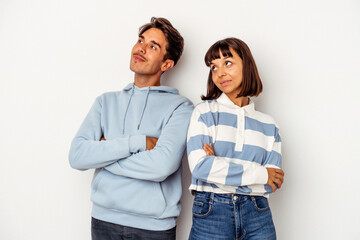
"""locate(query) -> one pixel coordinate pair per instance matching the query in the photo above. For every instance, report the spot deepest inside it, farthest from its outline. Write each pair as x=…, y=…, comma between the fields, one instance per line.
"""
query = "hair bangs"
x=214, y=52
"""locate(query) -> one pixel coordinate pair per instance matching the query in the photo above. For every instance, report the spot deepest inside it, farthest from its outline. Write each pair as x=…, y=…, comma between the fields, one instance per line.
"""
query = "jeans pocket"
x=201, y=207
x=260, y=203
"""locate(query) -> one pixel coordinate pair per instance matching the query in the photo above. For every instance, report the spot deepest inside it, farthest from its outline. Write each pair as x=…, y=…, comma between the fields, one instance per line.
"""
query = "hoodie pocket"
x=96, y=179
x=128, y=195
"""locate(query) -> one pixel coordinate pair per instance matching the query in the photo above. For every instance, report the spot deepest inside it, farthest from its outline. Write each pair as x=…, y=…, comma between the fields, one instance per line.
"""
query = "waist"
x=224, y=197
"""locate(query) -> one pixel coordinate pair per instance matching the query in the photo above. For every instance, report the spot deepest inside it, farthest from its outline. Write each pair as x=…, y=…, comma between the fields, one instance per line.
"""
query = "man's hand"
x=150, y=142
x=276, y=178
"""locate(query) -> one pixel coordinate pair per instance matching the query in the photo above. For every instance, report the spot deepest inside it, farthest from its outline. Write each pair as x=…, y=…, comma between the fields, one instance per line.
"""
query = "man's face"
x=148, y=53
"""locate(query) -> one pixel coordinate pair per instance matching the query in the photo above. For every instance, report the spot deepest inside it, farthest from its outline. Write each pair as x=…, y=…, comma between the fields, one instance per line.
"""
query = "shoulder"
x=205, y=110
x=109, y=95
x=174, y=103
x=264, y=121
x=206, y=106
x=184, y=100
x=263, y=117
x=109, y=98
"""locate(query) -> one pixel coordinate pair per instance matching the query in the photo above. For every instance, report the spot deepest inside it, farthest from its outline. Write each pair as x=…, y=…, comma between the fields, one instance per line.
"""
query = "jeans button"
x=236, y=197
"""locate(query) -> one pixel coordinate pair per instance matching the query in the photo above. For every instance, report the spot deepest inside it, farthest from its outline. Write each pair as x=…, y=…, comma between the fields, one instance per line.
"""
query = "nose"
x=221, y=72
x=142, y=48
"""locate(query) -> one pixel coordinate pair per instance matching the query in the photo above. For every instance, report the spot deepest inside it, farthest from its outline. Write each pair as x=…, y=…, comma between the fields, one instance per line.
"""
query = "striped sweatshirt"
x=245, y=142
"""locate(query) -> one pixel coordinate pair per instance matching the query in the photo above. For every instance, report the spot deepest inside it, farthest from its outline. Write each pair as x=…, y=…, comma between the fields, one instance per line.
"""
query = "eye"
x=153, y=47
x=140, y=41
x=228, y=63
x=213, y=68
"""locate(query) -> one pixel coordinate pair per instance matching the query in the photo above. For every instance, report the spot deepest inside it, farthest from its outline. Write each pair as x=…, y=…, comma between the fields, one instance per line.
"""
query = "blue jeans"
x=235, y=216
x=101, y=230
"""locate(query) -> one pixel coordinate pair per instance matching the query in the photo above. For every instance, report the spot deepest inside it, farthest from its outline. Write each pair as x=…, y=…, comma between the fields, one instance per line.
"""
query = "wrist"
x=137, y=143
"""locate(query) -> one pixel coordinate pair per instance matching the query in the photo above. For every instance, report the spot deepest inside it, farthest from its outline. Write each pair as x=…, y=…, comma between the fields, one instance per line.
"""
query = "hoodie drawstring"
x=127, y=107
x=142, y=114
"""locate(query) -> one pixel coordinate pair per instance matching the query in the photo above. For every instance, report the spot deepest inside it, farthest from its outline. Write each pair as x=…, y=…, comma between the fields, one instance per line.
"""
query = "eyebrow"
x=226, y=57
x=154, y=42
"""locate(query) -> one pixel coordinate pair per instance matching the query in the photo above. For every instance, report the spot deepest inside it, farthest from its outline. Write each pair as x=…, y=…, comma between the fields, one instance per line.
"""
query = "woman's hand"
x=209, y=150
x=276, y=178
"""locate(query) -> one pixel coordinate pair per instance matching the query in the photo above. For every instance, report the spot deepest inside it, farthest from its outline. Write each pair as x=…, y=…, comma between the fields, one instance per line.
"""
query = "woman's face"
x=227, y=73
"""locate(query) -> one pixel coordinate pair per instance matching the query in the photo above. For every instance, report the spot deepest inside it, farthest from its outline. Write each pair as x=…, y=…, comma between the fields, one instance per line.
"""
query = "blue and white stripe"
x=245, y=142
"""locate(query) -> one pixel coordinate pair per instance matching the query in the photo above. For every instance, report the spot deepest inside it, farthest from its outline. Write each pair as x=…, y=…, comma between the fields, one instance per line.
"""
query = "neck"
x=146, y=80
x=240, y=101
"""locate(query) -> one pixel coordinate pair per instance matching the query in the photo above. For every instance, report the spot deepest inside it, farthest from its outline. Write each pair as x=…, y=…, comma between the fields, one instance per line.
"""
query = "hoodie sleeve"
x=160, y=162
x=87, y=151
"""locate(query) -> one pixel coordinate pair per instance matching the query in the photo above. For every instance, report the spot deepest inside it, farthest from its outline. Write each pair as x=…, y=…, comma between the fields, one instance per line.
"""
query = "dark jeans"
x=101, y=230
x=230, y=217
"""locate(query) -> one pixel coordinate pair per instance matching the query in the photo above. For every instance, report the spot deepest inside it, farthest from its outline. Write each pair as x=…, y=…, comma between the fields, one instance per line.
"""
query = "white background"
x=56, y=57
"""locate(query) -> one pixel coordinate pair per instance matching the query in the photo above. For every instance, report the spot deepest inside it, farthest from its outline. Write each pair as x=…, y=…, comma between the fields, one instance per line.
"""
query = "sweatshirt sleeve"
x=87, y=151
x=274, y=159
x=160, y=162
x=218, y=170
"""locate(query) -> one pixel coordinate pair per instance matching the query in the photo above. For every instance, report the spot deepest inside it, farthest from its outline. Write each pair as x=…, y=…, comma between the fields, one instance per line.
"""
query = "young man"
x=135, y=140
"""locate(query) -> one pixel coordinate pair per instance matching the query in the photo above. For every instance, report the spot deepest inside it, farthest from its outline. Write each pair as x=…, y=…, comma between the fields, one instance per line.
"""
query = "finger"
x=212, y=149
x=279, y=171
x=208, y=153
x=278, y=182
x=272, y=185
x=280, y=177
x=207, y=148
x=272, y=173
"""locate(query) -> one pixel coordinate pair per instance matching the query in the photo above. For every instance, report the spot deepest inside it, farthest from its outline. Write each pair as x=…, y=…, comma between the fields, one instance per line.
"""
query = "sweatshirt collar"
x=225, y=100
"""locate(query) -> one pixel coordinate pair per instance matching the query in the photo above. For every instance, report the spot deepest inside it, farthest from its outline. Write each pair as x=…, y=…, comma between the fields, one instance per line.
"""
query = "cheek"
x=214, y=78
x=133, y=50
x=217, y=83
x=153, y=56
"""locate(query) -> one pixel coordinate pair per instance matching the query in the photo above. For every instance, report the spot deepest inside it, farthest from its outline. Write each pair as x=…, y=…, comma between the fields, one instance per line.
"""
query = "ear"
x=167, y=64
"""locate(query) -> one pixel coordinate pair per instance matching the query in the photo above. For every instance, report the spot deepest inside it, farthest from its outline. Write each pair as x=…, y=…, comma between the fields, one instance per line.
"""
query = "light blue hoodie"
x=131, y=186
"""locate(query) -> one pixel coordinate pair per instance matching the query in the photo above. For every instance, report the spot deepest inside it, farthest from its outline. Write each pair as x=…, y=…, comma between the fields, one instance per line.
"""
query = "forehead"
x=154, y=34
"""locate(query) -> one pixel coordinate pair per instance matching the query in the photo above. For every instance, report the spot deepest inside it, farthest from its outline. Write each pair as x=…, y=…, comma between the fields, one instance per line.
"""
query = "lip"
x=225, y=83
x=139, y=58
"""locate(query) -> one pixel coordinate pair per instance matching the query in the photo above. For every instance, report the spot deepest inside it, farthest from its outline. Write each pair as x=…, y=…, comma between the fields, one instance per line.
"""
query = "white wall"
x=57, y=56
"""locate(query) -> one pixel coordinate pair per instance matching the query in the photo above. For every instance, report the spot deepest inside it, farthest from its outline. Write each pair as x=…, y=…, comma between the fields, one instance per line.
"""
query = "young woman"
x=234, y=151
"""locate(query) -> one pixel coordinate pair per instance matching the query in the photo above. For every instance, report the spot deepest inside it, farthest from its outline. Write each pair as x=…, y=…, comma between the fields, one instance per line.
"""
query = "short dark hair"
x=175, y=41
x=251, y=84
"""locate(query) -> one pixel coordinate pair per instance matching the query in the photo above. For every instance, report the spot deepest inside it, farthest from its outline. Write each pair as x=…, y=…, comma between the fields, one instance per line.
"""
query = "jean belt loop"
x=212, y=198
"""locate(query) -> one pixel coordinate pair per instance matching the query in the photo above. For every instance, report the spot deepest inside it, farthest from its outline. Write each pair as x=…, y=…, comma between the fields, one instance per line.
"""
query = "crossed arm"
x=127, y=156
x=207, y=167
x=164, y=158
x=275, y=175
x=150, y=142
